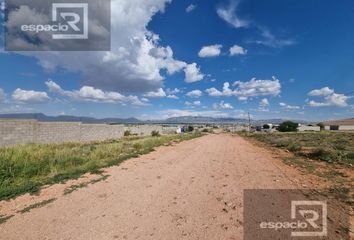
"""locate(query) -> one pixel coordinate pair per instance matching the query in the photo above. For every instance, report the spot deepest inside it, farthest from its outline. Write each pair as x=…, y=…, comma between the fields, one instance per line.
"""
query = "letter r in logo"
x=74, y=20
x=310, y=216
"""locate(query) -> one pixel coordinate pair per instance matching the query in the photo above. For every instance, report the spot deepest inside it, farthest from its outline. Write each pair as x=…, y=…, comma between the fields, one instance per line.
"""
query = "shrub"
x=321, y=125
x=155, y=133
x=350, y=157
x=288, y=126
x=137, y=146
x=280, y=142
x=294, y=147
x=127, y=133
x=341, y=144
x=266, y=126
x=324, y=155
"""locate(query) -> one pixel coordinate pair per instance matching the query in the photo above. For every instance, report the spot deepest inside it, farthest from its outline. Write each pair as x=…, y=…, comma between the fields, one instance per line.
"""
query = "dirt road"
x=189, y=191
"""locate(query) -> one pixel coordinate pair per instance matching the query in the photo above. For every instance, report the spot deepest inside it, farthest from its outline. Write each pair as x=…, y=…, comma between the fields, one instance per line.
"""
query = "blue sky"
x=274, y=59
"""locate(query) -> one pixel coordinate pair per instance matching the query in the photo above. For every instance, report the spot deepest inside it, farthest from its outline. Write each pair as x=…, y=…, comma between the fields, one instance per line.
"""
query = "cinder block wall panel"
x=98, y=132
x=144, y=130
x=57, y=132
x=13, y=132
x=18, y=132
x=346, y=128
x=169, y=130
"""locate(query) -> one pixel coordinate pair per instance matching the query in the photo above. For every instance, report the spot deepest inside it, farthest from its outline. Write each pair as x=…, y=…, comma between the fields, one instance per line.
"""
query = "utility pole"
x=249, y=122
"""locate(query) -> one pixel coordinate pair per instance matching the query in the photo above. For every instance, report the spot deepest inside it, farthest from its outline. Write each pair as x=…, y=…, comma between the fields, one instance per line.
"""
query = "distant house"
x=340, y=125
x=308, y=128
x=179, y=130
x=269, y=127
x=237, y=128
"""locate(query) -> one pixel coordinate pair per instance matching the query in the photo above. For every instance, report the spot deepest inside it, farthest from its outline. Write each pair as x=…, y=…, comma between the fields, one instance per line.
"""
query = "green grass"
x=342, y=193
x=25, y=169
x=76, y=187
x=306, y=165
x=4, y=219
x=331, y=174
x=37, y=205
x=330, y=147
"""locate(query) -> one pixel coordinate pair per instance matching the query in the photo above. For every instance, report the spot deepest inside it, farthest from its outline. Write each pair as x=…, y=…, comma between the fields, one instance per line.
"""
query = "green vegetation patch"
x=76, y=187
x=37, y=205
x=4, y=219
x=25, y=169
x=330, y=147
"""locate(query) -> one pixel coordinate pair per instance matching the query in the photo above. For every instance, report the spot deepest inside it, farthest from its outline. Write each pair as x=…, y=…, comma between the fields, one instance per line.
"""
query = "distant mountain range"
x=176, y=120
x=223, y=120
x=64, y=118
x=344, y=122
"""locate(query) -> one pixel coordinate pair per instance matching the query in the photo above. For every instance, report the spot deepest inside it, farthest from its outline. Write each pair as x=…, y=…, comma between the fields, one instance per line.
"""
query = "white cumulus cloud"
x=29, y=96
x=210, y=51
x=237, y=50
x=193, y=73
x=330, y=98
x=173, y=91
x=227, y=92
x=160, y=93
x=172, y=97
x=194, y=94
x=222, y=105
x=264, y=102
x=213, y=92
x=169, y=113
x=245, y=90
x=321, y=92
x=193, y=104
x=289, y=107
x=255, y=88
x=91, y=94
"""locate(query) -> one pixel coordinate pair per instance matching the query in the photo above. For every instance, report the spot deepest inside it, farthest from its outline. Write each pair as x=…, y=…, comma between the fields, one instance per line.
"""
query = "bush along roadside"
x=328, y=147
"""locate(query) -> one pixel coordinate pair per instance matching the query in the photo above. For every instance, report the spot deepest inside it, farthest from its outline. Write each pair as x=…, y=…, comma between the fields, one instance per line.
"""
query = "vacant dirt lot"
x=193, y=190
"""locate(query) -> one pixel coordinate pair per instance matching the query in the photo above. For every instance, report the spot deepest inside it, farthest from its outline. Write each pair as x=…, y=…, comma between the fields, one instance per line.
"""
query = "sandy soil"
x=193, y=190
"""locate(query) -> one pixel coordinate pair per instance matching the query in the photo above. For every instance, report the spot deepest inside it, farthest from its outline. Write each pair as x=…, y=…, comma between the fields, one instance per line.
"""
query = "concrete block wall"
x=13, y=132
x=144, y=130
x=238, y=128
x=19, y=132
x=342, y=128
x=99, y=132
x=346, y=128
x=56, y=132
x=170, y=129
x=309, y=129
